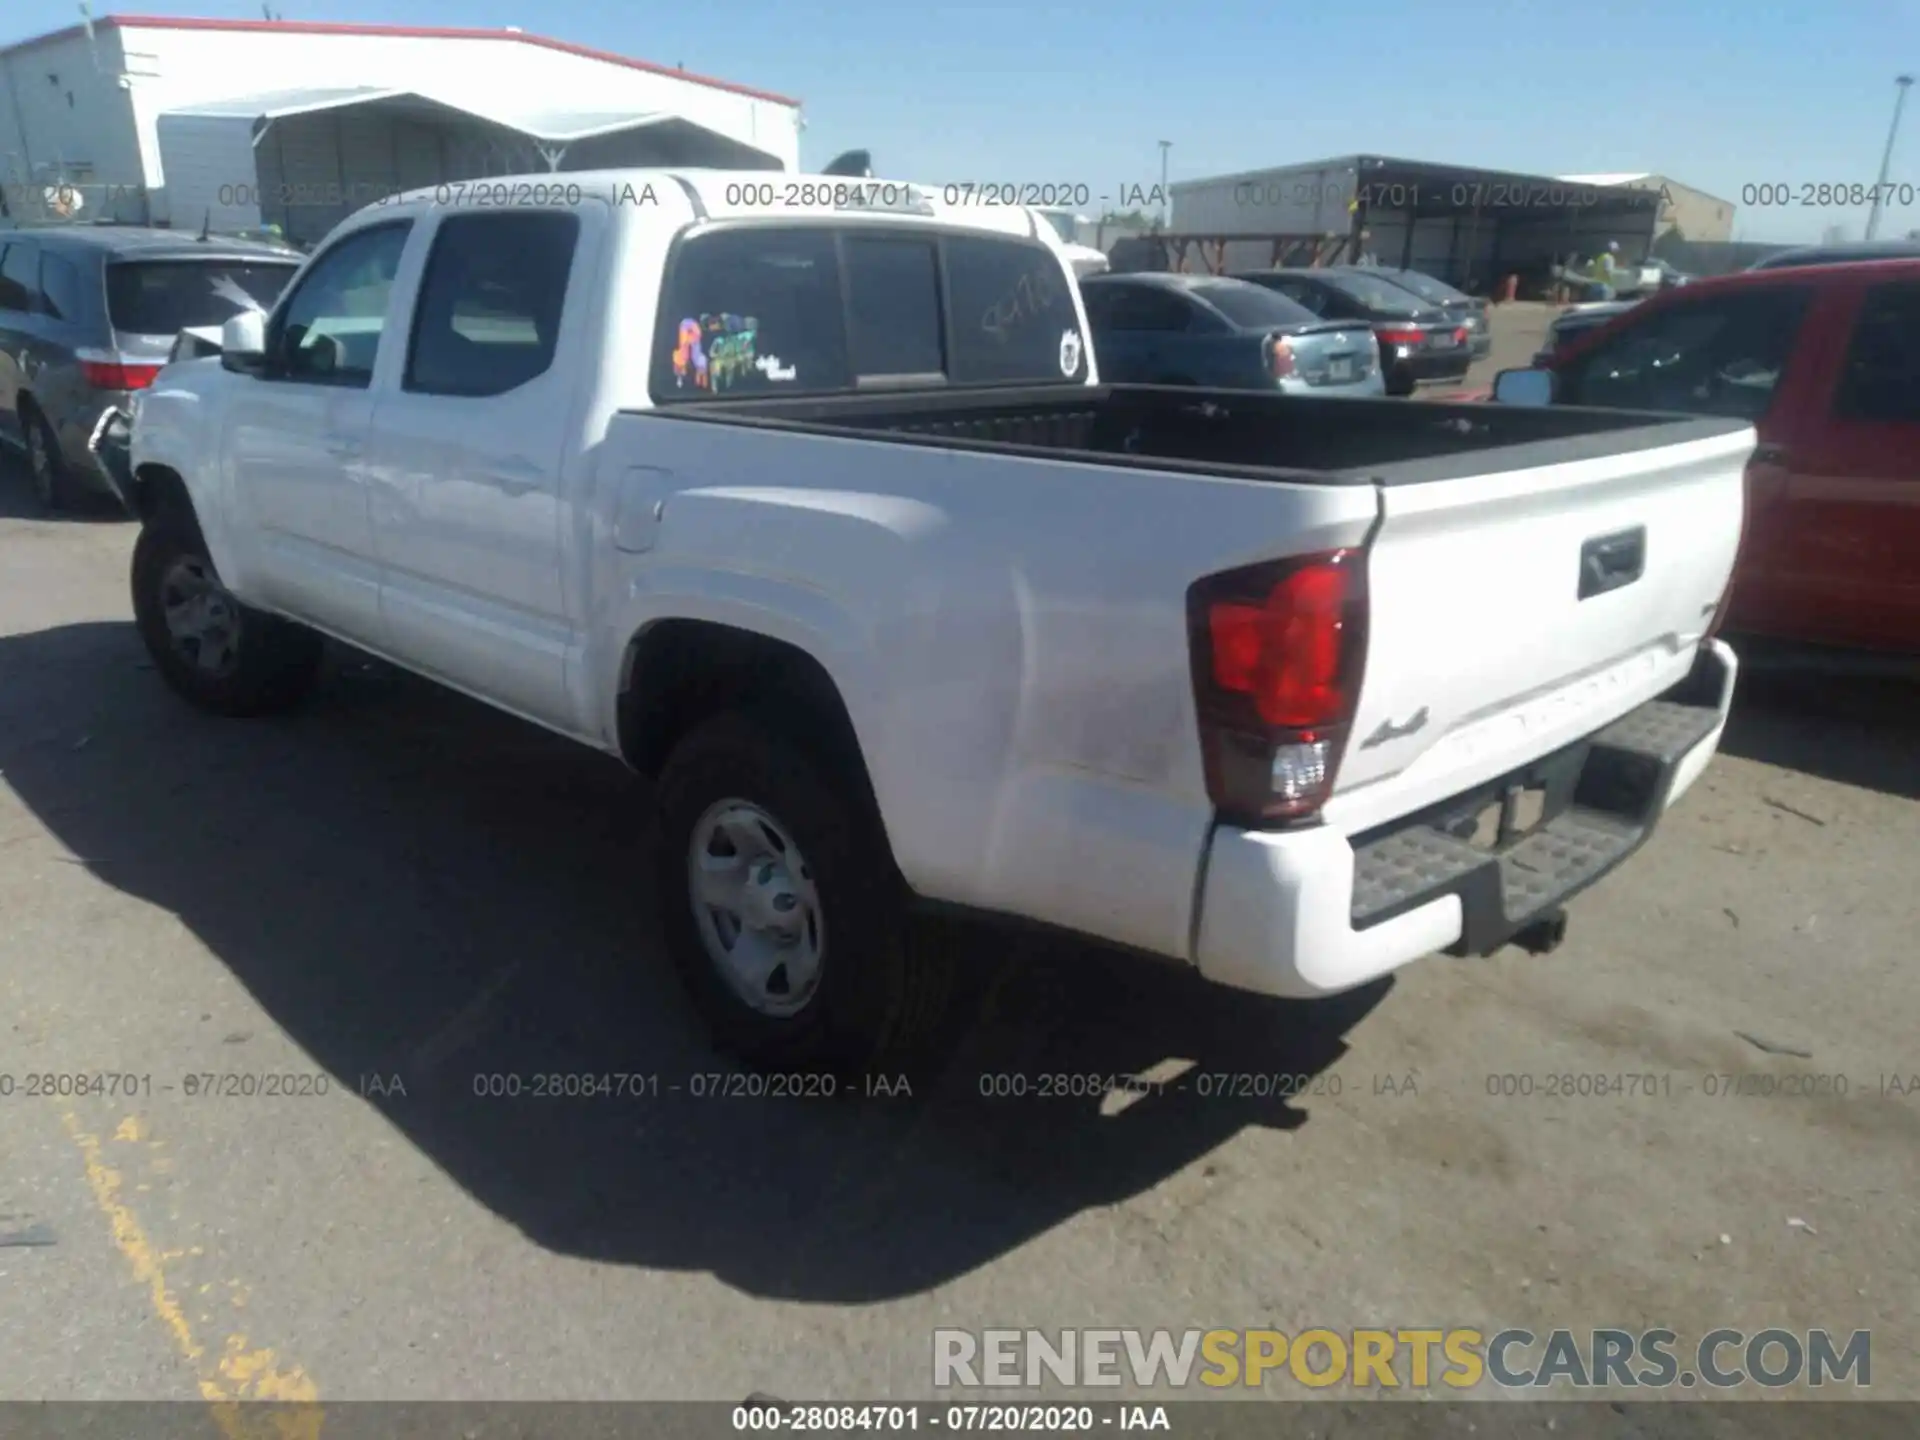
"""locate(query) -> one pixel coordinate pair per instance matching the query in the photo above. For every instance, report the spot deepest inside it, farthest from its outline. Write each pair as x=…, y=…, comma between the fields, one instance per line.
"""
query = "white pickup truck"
x=818, y=513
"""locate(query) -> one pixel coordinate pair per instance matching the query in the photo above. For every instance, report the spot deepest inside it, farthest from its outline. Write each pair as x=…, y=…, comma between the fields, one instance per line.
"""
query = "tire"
x=861, y=996
x=46, y=469
x=265, y=664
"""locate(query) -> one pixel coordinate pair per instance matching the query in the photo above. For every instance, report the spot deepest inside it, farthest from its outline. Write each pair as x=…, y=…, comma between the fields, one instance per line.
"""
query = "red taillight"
x=1277, y=654
x=1402, y=337
x=113, y=375
x=1460, y=336
x=1279, y=357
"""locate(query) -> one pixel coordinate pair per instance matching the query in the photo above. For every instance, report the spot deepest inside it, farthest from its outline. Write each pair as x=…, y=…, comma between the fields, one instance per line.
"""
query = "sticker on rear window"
x=714, y=352
x=689, y=357
x=1070, y=353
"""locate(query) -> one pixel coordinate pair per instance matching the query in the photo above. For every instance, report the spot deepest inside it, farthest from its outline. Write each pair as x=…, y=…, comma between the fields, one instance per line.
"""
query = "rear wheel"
x=783, y=911
x=46, y=470
x=223, y=656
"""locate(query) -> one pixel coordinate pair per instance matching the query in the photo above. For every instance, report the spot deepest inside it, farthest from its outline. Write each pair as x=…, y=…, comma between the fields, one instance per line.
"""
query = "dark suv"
x=88, y=315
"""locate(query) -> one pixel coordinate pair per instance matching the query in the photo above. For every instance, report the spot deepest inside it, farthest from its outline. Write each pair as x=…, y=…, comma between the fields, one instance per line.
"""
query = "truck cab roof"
x=678, y=195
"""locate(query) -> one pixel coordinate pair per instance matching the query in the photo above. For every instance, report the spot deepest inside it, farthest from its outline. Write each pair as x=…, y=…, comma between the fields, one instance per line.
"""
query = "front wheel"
x=782, y=909
x=221, y=655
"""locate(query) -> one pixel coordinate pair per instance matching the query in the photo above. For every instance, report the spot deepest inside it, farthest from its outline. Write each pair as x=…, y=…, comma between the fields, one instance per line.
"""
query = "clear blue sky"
x=1717, y=95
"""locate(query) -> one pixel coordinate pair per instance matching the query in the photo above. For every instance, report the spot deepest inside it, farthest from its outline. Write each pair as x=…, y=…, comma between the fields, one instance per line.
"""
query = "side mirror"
x=1524, y=387
x=243, y=343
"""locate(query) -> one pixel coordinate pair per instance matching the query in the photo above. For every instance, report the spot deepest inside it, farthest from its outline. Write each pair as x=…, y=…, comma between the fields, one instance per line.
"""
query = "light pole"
x=1886, y=160
x=1165, y=201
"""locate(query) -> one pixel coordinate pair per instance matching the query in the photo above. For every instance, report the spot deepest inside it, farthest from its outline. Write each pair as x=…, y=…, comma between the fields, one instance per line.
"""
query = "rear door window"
x=488, y=316
x=1880, y=378
x=1014, y=318
x=20, y=277
x=752, y=311
x=164, y=297
x=1721, y=355
x=60, y=287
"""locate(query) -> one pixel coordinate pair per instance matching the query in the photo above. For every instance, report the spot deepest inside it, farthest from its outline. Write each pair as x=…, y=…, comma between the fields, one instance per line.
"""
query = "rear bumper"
x=1427, y=366
x=1373, y=386
x=1314, y=912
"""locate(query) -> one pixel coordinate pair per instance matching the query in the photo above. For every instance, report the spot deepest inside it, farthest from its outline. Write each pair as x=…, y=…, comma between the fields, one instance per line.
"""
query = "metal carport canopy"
x=1426, y=189
x=554, y=129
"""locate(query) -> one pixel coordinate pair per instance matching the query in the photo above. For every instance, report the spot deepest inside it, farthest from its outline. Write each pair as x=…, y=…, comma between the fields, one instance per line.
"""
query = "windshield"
x=1376, y=294
x=162, y=297
x=1062, y=223
x=1253, y=306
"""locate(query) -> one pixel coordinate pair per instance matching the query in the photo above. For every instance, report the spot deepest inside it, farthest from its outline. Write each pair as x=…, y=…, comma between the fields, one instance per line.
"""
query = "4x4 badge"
x=1390, y=731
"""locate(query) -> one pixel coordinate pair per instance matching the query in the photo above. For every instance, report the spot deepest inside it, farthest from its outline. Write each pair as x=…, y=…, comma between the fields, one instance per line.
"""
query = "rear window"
x=1428, y=288
x=160, y=297
x=759, y=310
x=1381, y=295
x=1252, y=306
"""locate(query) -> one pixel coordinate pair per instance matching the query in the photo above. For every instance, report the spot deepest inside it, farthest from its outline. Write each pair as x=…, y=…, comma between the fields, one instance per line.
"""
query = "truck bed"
x=1246, y=433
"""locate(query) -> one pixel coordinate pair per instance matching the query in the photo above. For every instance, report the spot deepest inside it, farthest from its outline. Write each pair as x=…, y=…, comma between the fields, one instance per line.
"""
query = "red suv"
x=1825, y=361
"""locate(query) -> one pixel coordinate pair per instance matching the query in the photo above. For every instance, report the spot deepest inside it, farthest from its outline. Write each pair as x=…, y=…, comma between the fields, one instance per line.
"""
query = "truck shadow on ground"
x=419, y=890
x=1857, y=730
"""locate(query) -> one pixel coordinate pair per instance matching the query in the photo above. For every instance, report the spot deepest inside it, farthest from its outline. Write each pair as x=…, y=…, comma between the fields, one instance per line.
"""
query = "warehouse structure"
x=239, y=123
x=1470, y=227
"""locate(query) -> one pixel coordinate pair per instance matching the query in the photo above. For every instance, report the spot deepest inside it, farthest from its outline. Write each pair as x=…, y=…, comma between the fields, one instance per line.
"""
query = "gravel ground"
x=394, y=892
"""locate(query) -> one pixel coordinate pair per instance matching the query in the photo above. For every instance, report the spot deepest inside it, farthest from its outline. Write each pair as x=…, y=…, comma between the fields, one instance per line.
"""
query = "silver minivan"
x=88, y=315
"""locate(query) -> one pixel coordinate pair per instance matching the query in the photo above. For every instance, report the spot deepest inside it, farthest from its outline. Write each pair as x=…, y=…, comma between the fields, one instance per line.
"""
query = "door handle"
x=516, y=478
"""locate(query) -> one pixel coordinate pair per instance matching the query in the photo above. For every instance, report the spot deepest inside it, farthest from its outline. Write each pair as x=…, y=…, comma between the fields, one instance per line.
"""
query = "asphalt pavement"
x=393, y=906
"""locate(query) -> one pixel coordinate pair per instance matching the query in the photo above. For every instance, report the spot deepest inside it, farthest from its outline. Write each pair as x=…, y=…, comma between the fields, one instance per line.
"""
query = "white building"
x=239, y=123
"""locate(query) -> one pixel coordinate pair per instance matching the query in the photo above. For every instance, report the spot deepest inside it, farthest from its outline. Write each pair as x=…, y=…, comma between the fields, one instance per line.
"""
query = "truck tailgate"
x=1515, y=612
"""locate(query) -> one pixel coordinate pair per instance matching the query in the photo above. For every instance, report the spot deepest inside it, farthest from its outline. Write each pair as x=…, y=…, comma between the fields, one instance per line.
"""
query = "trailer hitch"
x=1544, y=935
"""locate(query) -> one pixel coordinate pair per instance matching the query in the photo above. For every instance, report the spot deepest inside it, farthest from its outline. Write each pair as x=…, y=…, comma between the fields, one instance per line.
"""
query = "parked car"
x=1839, y=254
x=852, y=549
x=1578, y=320
x=1470, y=310
x=1209, y=330
x=1419, y=342
x=89, y=314
x=1825, y=362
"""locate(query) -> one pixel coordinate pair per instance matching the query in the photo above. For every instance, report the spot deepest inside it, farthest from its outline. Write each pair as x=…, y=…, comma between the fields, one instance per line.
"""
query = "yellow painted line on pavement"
x=241, y=1373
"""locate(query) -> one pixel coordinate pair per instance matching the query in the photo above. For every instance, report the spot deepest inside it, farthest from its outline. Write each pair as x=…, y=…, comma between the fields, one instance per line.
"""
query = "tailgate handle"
x=1608, y=562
